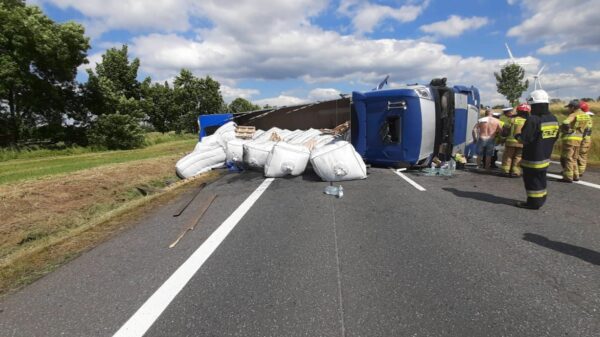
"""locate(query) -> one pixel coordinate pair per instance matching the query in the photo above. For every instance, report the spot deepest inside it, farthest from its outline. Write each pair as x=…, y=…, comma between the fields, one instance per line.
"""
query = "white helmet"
x=538, y=96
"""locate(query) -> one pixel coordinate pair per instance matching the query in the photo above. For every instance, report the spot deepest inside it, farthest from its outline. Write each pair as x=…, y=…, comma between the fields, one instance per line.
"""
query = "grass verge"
x=61, y=234
x=25, y=169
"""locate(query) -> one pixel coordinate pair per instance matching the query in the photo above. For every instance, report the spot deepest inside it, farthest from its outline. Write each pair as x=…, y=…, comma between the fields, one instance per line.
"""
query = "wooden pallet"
x=244, y=132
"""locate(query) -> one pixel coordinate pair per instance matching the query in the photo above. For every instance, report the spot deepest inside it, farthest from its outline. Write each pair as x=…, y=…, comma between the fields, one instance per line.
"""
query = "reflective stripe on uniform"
x=535, y=164
x=572, y=136
x=537, y=194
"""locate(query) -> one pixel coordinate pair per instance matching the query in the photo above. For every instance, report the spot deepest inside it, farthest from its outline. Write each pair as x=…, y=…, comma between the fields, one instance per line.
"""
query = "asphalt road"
x=457, y=259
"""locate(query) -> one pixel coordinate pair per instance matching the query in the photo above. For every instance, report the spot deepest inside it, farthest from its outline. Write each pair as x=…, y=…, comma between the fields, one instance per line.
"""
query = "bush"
x=117, y=132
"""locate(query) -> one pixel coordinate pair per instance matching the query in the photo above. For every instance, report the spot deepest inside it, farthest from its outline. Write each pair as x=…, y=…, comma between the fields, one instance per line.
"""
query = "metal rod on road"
x=201, y=187
x=193, y=224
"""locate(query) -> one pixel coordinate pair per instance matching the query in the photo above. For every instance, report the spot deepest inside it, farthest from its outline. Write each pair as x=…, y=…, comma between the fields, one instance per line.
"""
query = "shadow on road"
x=585, y=254
x=481, y=196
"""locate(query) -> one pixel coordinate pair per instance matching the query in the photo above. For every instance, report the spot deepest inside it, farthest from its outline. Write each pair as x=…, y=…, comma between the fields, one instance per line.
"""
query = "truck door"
x=384, y=131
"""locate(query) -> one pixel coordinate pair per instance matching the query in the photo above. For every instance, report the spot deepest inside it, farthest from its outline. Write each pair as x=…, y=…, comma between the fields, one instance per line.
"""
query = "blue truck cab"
x=408, y=126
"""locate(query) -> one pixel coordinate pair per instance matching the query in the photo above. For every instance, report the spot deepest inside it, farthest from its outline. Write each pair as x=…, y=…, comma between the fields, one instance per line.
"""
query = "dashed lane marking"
x=410, y=181
x=148, y=313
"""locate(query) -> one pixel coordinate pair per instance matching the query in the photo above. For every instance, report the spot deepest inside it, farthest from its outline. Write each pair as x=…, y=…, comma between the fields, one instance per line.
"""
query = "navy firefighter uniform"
x=538, y=135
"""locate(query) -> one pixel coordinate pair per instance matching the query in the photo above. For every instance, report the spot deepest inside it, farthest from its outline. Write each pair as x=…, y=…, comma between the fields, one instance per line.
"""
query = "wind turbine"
x=536, y=79
x=512, y=58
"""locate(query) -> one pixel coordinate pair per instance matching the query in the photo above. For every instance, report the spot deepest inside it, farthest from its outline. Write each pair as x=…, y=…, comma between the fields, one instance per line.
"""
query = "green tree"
x=510, y=82
x=159, y=105
x=115, y=78
x=114, y=95
x=241, y=105
x=195, y=96
x=38, y=65
x=117, y=132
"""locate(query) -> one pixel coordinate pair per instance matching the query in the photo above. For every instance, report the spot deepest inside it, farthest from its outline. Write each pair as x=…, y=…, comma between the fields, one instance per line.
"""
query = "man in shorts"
x=485, y=132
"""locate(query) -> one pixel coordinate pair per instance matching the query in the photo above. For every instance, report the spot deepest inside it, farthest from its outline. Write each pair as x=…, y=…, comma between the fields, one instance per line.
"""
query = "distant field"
x=35, y=164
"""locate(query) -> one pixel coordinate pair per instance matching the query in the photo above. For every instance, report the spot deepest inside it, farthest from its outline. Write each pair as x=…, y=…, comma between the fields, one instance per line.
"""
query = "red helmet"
x=524, y=107
x=584, y=106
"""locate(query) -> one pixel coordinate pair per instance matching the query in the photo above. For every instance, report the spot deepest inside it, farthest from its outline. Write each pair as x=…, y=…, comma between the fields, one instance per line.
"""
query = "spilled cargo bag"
x=286, y=159
x=338, y=161
x=203, y=159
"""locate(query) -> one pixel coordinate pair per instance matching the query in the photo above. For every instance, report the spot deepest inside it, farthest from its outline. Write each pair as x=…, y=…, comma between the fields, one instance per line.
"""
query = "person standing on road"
x=513, y=148
x=572, y=130
x=484, y=132
x=538, y=135
x=498, y=140
x=586, y=142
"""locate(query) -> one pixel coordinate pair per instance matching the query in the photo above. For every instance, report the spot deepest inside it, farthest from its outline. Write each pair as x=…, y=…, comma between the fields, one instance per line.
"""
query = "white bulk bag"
x=338, y=161
x=286, y=159
x=323, y=140
x=305, y=136
x=235, y=148
x=256, y=153
x=200, y=161
x=266, y=135
x=225, y=133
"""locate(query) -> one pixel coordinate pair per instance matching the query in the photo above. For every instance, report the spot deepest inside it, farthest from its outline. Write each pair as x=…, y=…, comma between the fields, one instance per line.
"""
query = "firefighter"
x=513, y=149
x=538, y=135
x=572, y=130
x=586, y=142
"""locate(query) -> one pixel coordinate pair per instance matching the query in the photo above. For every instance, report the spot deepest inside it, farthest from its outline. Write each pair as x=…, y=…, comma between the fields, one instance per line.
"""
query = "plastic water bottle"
x=337, y=191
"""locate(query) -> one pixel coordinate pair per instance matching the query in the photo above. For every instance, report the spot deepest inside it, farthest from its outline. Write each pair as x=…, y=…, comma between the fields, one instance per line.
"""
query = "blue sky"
x=287, y=52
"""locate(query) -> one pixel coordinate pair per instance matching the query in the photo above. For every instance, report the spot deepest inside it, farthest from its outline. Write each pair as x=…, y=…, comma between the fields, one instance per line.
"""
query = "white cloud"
x=92, y=60
x=281, y=100
x=104, y=15
x=264, y=39
x=454, y=26
x=560, y=25
x=323, y=94
x=366, y=16
x=231, y=93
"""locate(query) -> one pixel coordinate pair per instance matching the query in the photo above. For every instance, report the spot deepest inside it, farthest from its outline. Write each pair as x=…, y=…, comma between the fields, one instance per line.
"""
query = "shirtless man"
x=484, y=132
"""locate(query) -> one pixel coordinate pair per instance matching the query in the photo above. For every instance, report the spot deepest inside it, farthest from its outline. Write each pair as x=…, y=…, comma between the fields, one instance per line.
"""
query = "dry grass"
x=48, y=221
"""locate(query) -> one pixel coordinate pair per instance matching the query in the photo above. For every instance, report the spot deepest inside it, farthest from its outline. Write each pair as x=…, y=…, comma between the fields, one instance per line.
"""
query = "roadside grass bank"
x=45, y=165
x=49, y=221
x=37, y=152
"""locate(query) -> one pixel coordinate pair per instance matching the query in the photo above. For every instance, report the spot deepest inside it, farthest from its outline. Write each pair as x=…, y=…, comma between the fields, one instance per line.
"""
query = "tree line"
x=41, y=100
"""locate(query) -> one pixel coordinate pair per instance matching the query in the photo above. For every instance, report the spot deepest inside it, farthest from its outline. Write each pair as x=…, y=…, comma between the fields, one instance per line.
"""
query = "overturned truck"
x=400, y=127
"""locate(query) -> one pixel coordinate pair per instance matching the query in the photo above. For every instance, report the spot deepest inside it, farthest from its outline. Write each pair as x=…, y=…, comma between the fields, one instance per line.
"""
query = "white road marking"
x=556, y=176
x=410, y=181
x=581, y=182
x=148, y=313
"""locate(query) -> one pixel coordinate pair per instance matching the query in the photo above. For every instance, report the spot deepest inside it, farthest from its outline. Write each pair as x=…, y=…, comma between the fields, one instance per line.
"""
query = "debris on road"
x=337, y=191
x=277, y=152
x=192, y=224
x=200, y=188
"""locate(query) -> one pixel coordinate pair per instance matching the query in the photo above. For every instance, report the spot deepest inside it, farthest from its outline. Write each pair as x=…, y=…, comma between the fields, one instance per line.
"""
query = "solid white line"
x=585, y=183
x=556, y=176
x=410, y=181
x=149, y=312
